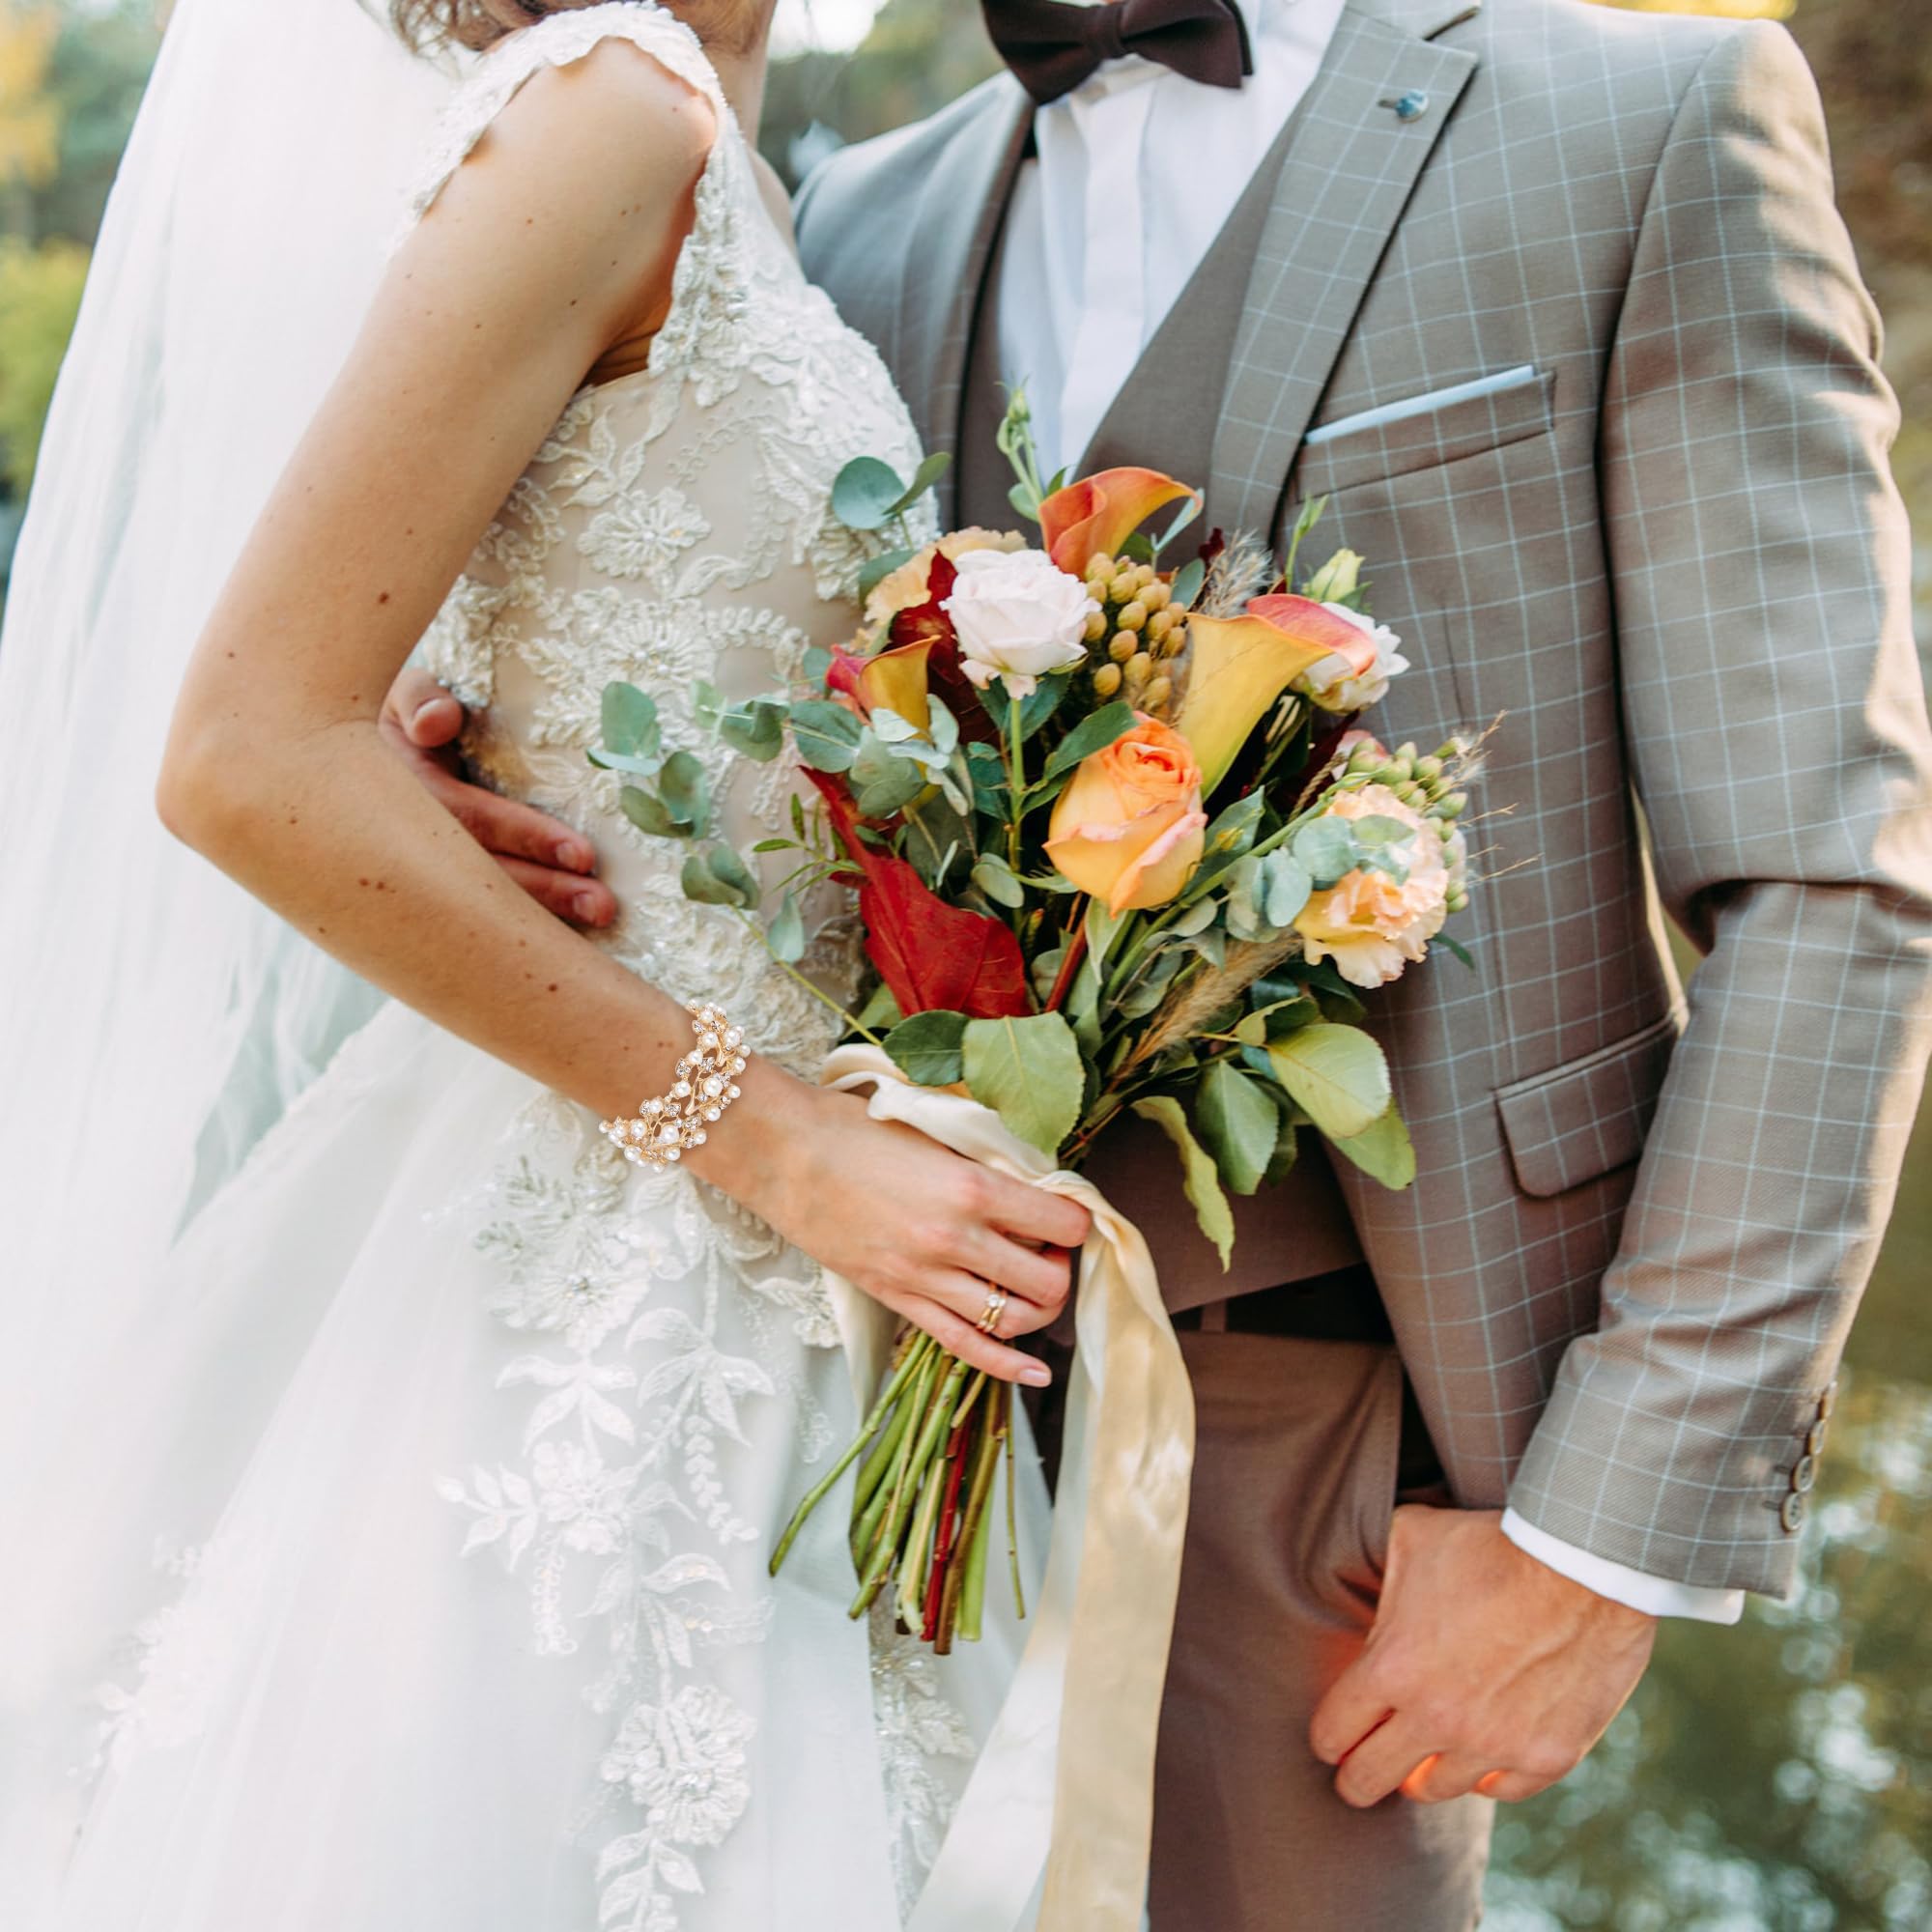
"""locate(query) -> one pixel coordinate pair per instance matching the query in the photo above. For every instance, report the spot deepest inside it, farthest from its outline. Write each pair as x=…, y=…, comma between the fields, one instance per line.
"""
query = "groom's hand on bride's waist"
x=421, y=723
x=1485, y=1671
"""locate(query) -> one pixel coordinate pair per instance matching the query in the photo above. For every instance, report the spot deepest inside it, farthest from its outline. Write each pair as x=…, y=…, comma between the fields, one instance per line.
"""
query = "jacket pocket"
x=1588, y=1116
x=1427, y=437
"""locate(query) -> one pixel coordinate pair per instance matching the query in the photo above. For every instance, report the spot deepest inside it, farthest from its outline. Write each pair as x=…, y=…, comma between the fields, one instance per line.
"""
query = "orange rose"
x=1127, y=827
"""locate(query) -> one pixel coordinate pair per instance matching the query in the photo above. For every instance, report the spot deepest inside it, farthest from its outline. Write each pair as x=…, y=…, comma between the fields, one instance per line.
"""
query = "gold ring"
x=997, y=1299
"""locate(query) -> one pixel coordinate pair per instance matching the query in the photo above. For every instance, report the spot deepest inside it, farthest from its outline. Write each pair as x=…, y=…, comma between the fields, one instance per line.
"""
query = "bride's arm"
x=547, y=243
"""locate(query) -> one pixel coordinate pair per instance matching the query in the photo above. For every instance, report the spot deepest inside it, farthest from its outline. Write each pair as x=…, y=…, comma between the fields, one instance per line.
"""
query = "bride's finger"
x=960, y=1337
x=1040, y=1277
x=971, y=1296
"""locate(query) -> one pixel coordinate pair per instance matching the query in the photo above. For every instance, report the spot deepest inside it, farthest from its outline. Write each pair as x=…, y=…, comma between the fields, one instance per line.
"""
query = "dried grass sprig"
x=1247, y=961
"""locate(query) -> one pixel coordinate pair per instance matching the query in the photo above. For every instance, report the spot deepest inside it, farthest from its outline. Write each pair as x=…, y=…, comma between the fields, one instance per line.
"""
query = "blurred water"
x=1778, y=1778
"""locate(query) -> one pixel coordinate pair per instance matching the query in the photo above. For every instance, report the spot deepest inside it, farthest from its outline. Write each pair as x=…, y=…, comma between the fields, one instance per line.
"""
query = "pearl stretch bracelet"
x=705, y=1083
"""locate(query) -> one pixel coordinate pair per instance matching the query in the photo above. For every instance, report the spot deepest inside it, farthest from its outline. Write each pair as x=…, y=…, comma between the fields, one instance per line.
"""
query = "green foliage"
x=40, y=296
x=1199, y=1179
x=1030, y=1072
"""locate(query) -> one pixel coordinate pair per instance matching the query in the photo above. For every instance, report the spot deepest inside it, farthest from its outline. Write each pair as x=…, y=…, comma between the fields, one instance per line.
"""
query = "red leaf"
x=930, y=954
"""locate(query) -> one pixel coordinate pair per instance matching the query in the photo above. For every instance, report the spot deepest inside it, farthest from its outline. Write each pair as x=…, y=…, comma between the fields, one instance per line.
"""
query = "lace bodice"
x=675, y=526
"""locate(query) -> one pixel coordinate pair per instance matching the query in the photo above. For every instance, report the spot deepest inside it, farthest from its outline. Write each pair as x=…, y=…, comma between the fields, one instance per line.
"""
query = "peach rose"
x=1371, y=927
x=1127, y=827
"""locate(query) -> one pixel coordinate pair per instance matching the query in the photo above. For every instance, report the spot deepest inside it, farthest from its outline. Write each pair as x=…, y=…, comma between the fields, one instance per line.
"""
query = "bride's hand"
x=919, y=1228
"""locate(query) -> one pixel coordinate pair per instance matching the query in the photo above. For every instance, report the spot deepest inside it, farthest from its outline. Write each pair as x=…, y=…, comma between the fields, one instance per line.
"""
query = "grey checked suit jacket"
x=1676, y=564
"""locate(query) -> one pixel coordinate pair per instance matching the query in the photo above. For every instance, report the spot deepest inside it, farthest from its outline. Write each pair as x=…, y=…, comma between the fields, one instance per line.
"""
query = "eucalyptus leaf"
x=1238, y=1122
x=935, y=834
x=1285, y=886
x=1336, y=1074
x=881, y=783
x=817, y=663
x=1093, y=734
x=716, y=876
x=685, y=788
x=927, y=1047
x=1327, y=850
x=1383, y=1150
x=756, y=730
x=1138, y=549
x=1198, y=1177
x=631, y=764
x=786, y=935
x=1030, y=1072
x=923, y=478
x=1378, y=829
x=827, y=734
x=995, y=878
x=630, y=721
x=645, y=811
x=1188, y=584
x=864, y=495
x=1024, y=502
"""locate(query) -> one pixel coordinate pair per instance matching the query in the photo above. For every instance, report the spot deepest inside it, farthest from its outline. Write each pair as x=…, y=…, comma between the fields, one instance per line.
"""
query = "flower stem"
x=851, y=1019
x=868, y=1431
x=1015, y=779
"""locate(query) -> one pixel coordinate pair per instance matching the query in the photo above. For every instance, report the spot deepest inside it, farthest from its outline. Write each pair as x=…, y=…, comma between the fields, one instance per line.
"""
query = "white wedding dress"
x=412, y=1568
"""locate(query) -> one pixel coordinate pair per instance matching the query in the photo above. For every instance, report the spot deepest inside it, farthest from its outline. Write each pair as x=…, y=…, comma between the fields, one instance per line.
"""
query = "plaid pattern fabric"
x=1676, y=566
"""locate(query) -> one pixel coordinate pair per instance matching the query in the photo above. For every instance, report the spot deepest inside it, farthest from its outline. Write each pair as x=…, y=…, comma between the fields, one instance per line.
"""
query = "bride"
x=391, y=1468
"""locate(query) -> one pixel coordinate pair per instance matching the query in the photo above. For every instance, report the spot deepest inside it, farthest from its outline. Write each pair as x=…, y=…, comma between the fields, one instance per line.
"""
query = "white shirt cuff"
x=1655, y=1596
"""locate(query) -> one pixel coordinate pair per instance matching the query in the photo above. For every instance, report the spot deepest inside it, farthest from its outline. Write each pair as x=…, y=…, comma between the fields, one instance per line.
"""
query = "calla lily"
x=1102, y=512
x=893, y=680
x=1239, y=666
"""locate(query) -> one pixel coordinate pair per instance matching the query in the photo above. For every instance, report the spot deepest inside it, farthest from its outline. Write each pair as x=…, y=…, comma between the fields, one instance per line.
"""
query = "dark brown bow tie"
x=1052, y=46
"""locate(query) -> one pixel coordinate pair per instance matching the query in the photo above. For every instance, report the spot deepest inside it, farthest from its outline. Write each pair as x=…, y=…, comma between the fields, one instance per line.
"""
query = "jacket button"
x=1814, y=1438
x=1804, y=1475
x=1791, y=1512
x=1829, y=1401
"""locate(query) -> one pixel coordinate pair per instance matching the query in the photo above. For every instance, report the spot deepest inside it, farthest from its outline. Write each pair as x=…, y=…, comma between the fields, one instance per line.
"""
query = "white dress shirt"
x=1137, y=171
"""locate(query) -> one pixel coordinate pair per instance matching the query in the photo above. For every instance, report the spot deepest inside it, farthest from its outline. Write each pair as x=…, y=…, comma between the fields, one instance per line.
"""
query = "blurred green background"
x=1773, y=1779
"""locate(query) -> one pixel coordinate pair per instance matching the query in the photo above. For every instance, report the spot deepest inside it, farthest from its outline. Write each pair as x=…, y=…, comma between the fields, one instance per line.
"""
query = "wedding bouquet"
x=1116, y=849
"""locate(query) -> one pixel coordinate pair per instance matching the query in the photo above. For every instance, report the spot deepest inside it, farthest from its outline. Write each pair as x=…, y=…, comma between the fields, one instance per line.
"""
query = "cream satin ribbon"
x=1060, y=1806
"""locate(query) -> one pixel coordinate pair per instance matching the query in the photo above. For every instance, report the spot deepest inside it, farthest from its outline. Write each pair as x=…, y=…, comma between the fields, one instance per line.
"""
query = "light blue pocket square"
x=1417, y=406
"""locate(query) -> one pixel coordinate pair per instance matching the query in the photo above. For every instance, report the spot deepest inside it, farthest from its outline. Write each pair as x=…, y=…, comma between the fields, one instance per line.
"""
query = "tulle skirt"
x=406, y=1566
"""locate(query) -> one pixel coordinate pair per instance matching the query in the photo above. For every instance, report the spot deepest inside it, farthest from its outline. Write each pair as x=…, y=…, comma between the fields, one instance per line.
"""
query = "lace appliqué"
x=924, y=1749
x=657, y=1311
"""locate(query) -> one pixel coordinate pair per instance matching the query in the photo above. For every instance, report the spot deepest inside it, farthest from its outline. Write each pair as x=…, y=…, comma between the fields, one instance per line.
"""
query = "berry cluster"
x=1141, y=628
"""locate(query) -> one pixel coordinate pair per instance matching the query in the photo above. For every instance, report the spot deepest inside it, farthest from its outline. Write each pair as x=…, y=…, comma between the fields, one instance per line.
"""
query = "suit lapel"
x=1352, y=164
x=946, y=254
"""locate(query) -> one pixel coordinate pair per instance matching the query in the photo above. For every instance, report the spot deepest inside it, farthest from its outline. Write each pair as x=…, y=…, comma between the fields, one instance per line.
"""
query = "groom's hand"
x=421, y=723
x=1485, y=1670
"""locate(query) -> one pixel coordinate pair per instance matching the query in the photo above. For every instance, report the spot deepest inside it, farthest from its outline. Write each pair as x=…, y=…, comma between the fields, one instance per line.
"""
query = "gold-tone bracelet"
x=662, y=1131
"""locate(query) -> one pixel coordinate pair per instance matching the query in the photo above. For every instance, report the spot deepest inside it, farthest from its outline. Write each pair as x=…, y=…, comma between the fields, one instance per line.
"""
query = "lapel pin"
x=1409, y=107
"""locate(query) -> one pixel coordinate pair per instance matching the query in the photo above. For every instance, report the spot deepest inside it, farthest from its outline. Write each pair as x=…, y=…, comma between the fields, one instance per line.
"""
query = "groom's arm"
x=1776, y=721
x=1777, y=724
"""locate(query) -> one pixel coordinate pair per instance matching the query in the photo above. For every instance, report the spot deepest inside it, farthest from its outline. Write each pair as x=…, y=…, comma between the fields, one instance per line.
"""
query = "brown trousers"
x=1295, y=1485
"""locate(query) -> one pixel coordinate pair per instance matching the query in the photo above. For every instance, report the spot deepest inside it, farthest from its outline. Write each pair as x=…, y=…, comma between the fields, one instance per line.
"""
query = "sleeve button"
x=1814, y=1438
x=1791, y=1512
x=1804, y=1475
x=1827, y=1401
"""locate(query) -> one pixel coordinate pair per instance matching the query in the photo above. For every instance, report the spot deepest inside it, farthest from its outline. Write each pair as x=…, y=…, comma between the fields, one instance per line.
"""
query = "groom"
x=1552, y=306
